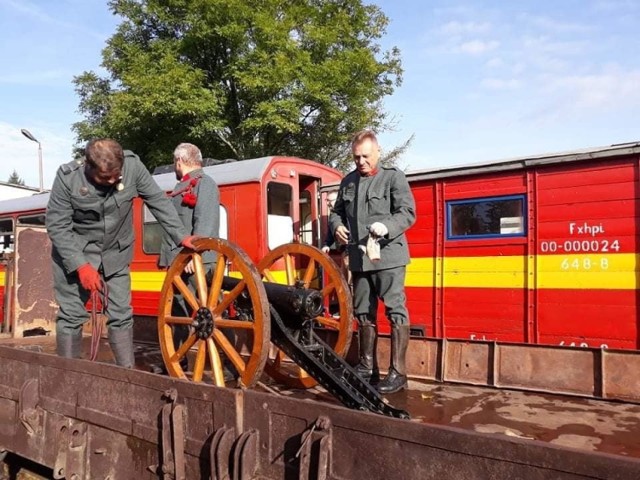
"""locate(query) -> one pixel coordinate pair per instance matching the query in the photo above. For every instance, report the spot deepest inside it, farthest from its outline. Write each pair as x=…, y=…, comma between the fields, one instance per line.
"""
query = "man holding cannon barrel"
x=373, y=210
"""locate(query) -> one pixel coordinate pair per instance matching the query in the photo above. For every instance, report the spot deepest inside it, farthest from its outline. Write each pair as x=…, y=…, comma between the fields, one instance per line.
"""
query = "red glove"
x=89, y=277
x=187, y=242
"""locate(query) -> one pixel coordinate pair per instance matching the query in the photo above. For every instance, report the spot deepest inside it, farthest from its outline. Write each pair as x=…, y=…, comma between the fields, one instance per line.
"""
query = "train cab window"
x=152, y=231
x=31, y=220
x=486, y=217
x=279, y=215
x=6, y=235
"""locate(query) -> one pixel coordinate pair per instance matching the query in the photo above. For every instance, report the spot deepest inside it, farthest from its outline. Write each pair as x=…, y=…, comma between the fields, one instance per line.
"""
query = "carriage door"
x=308, y=231
x=34, y=307
x=292, y=211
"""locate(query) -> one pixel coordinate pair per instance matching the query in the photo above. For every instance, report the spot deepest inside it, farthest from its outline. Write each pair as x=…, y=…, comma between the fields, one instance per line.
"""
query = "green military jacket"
x=384, y=197
x=82, y=218
x=202, y=219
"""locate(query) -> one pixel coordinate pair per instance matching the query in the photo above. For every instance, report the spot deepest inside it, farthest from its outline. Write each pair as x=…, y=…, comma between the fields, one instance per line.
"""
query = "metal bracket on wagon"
x=172, y=439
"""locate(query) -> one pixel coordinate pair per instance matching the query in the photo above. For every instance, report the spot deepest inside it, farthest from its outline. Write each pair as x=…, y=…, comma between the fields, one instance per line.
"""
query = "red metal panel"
x=421, y=235
x=486, y=314
x=589, y=318
x=594, y=172
x=504, y=183
x=420, y=306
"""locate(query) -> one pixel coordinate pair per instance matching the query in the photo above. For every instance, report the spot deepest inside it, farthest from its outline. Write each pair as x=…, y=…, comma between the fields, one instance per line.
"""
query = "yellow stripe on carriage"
x=617, y=271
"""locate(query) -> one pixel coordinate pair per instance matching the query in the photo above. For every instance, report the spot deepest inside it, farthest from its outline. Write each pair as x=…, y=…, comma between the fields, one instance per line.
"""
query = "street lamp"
x=27, y=134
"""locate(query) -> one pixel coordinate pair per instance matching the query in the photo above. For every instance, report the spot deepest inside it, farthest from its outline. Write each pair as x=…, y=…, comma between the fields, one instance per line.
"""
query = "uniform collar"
x=371, y=173
x=192, y=174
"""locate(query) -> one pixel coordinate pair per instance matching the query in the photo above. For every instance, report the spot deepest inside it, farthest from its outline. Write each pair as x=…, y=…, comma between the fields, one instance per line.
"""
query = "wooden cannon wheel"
x=304, y=263
x=242, y=310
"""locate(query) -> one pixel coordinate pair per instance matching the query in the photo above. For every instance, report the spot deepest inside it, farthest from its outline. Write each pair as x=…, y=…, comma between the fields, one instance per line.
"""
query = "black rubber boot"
x=396, y=379
x=121, y=342
x=69, y=345
x=368, y=339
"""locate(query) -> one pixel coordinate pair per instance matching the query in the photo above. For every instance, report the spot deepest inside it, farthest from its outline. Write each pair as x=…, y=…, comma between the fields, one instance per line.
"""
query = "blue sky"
x=483, y=80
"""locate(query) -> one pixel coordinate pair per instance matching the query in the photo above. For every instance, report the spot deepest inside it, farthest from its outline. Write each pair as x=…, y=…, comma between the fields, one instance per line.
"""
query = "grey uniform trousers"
x=72, y=298
x=387, y=285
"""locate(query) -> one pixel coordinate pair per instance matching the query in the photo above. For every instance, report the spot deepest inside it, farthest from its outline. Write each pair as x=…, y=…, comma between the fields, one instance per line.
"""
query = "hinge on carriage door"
x=172, y=466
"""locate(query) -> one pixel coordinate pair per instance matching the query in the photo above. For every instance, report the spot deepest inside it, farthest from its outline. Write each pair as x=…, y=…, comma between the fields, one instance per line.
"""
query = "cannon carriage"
x=273, y=322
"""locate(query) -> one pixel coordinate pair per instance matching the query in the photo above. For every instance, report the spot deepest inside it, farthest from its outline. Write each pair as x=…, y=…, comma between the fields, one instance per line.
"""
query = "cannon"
x=273, y=310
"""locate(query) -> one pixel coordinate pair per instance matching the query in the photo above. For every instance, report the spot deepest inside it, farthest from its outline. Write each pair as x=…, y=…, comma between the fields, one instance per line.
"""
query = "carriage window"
x=486, y=217
x=279, y=217
x=31, y=220
x=6, y=235
x=152, y=232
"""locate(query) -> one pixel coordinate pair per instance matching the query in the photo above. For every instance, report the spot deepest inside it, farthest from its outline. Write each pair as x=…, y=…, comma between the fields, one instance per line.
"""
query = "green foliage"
x=240, y=79
x=15, y=179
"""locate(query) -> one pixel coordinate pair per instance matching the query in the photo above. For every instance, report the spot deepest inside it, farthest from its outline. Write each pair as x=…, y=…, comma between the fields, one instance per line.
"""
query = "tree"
x=15, y=179
x=240, y=79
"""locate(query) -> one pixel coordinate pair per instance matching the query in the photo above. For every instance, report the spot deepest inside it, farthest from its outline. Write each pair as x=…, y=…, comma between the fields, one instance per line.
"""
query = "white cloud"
x=495, y=62
x=609, y=89
x=615, y=5
x=477, y=47
x=545, y=44
x=501, y=84
x=47, y=77
x=459, y=28
x=553, y=25
x=28, y=9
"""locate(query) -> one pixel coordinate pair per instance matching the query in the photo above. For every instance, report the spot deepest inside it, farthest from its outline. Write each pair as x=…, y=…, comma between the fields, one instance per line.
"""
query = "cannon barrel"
x=295, y=301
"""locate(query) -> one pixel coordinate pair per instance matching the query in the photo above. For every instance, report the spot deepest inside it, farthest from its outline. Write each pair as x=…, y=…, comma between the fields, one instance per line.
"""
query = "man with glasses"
x=90, y=223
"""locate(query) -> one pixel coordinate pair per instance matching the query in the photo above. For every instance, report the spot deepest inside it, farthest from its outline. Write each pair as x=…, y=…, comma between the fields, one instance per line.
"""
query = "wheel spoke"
x=277, y=361
x=291, y=274
x=269, y=276
x=309, y=273
x=328, y=322
x=198, y=368
x=178, y=320
x=216, y=364
x=239, y=324
x=229, y=350
x=186, y=293
x=184, y=348
x=201, y=282
x=216, y=283
x=328, y=289
x=228, y=298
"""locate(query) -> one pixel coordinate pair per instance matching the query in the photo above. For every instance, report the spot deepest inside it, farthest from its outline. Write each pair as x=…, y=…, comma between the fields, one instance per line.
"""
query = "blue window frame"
x=489, y=217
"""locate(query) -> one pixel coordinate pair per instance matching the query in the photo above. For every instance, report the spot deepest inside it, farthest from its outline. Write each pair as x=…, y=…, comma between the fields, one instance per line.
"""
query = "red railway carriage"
x=265, y=202
x=534, y=250
x=531, y=250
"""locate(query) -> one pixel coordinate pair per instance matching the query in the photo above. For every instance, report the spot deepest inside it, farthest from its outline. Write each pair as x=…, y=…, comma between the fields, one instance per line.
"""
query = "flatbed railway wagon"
x=535, y=250
x=67, y=418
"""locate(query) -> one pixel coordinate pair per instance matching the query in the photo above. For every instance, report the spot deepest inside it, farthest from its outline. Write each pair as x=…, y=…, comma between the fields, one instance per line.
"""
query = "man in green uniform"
x=196, y=198
x=90, y=223
x=375, y=206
